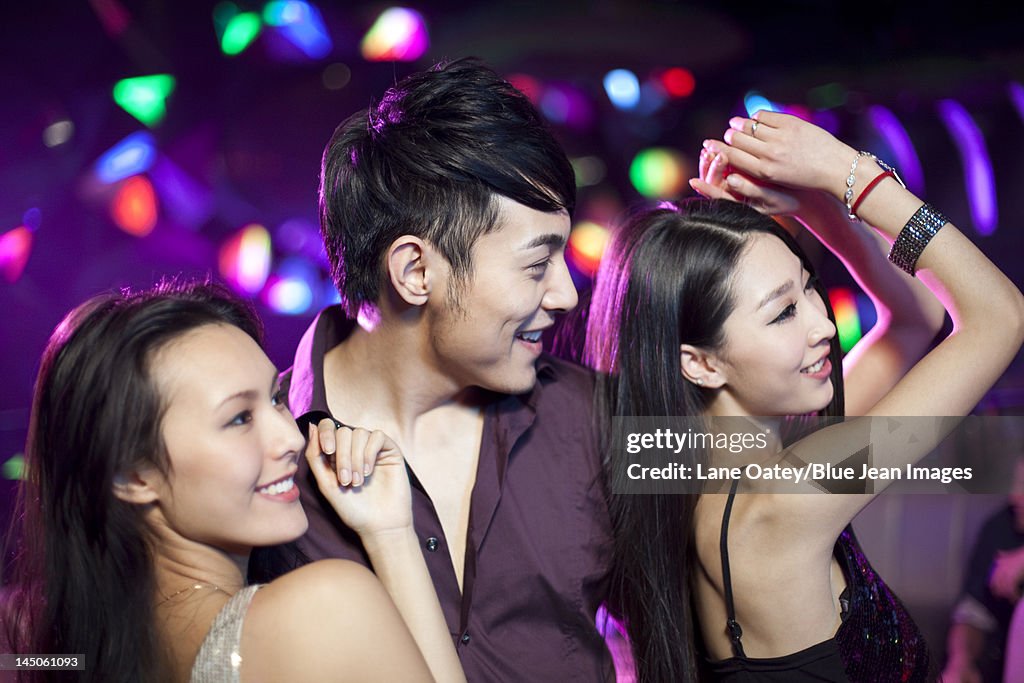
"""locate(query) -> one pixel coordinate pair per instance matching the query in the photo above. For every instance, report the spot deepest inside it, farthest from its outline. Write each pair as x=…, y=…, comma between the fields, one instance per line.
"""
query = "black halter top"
x=877, y=641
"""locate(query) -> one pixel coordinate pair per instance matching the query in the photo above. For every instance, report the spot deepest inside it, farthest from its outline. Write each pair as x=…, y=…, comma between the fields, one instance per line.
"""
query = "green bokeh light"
x=145, y=97
x=15, y=467
x=240, y=31
x=658, y=173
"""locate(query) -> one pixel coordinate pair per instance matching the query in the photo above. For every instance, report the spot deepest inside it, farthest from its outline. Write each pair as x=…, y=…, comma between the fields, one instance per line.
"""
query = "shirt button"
x=431, y=544
x=465, y=638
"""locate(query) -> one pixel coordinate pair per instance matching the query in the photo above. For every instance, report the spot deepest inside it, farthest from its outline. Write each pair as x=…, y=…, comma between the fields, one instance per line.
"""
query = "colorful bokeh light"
x=244, y=259
x=589, y=170
x=133, y=155
x=144, y=97
x=528, y=85
x=848, y=327
x=14, y=468
x=1016, y=92
x=58, y=132
x=677, y=82
x=754, y=102
x=623, y=88
x=587, y=243
x=289, y=295
x=15, y=247
x=398, y=35
x=567, y=105
x=978, y=175
x=134, y=208
x=658, y=173
x=302, y=24
x=239, y=33
x=896, y=136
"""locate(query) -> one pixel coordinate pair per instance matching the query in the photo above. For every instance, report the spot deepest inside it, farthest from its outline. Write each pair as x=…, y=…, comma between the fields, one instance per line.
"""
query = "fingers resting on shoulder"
x=352, y=453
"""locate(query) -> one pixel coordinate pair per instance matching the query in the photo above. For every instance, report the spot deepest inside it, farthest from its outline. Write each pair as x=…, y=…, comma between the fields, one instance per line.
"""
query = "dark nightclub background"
x=141, y=139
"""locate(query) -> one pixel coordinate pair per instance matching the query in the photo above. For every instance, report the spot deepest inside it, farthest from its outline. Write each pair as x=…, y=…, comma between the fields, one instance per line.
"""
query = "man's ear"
x=701, y=367
x=138, y=486
x=408, y=271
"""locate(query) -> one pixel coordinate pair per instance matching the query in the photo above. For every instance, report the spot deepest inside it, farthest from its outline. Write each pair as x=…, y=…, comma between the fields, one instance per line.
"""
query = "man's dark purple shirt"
x=539, y=534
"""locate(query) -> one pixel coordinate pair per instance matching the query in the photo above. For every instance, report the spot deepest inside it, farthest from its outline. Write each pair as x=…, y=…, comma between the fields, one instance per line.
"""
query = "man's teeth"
x=530, y=336
x=811, y=369
x=279, y=488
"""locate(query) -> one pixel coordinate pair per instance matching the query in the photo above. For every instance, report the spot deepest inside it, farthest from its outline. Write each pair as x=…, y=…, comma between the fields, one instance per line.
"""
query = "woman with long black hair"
x=160, y=452
x=714, y=311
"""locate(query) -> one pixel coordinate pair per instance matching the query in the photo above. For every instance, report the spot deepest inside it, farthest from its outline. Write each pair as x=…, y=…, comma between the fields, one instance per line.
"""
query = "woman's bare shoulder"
x=310, y=620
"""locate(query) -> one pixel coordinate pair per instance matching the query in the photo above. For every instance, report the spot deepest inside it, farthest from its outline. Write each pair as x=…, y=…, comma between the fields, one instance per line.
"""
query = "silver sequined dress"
x=219, y=659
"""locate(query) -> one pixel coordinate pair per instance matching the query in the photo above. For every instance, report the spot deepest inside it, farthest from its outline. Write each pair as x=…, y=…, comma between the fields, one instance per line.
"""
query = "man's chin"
x=520, y=384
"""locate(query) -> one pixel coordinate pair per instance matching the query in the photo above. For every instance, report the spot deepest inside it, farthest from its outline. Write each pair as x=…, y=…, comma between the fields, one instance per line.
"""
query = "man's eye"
x=540, y=266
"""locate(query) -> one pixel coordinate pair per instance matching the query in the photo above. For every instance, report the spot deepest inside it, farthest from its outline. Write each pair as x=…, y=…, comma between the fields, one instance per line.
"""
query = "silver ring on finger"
x=753, y=128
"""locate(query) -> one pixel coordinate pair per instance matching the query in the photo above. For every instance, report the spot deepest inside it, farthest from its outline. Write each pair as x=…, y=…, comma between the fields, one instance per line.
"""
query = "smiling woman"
x=161, y=452
x=712, y=311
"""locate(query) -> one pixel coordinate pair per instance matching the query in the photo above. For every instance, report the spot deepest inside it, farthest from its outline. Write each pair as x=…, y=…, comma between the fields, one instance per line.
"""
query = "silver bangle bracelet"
x=852, y=179
x=915, y=236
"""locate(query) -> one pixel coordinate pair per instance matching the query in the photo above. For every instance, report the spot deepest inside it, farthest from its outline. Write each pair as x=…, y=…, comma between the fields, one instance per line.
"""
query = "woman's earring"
x=700, y=382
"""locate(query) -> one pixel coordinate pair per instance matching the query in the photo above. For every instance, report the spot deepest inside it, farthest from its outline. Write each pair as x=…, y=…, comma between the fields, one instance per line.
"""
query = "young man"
x=445, y=213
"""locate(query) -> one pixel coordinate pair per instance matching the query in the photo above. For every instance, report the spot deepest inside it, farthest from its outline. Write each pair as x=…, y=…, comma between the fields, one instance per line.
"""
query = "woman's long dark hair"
x=665, y=281
x=84, y=577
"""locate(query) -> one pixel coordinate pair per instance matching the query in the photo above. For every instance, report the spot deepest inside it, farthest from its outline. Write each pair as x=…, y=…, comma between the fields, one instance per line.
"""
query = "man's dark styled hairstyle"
x=429, y=160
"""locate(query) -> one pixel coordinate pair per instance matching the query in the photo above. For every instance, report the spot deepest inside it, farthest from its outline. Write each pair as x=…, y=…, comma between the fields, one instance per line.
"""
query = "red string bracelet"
x=879, y=178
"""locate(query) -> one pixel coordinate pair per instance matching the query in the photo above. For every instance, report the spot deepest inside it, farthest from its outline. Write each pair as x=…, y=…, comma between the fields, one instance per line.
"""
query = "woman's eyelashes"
x=278, y=399
x=790, y=311
x=241, y=419
x=787, y=313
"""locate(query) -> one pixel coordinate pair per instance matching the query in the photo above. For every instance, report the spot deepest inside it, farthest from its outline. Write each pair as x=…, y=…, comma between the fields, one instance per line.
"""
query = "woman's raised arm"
x=987, y=309
x=908, y=314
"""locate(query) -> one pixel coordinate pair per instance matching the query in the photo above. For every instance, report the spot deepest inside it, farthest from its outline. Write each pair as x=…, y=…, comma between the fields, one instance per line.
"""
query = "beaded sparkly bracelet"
x=915, y=236
x=852, y=178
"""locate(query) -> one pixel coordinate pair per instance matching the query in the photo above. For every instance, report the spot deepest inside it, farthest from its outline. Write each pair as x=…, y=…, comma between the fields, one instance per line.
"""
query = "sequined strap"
x=731, y=625
x=219, y=659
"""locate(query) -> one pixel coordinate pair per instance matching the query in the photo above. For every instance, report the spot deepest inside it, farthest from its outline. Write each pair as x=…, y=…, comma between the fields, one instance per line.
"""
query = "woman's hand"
x=785, y=150
x=368, y=485
x=718, y=181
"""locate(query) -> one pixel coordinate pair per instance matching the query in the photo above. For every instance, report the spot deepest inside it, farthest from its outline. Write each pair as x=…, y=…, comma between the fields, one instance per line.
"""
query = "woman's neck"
x=180, y=563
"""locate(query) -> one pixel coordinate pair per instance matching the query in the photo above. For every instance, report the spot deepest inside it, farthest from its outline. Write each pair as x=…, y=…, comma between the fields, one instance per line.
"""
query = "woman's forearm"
x=398, y=562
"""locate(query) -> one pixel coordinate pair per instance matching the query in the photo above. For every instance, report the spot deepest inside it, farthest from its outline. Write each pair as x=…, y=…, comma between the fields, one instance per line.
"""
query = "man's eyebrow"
x=551, y=239
x=775, y=294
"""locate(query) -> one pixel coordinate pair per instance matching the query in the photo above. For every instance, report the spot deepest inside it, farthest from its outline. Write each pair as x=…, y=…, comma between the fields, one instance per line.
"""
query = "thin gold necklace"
x=193, y=587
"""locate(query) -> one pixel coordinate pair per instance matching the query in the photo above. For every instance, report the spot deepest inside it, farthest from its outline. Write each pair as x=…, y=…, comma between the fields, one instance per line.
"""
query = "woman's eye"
x=812, y=282
x=243, y=418
x=279, y=397
x=787, y=313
